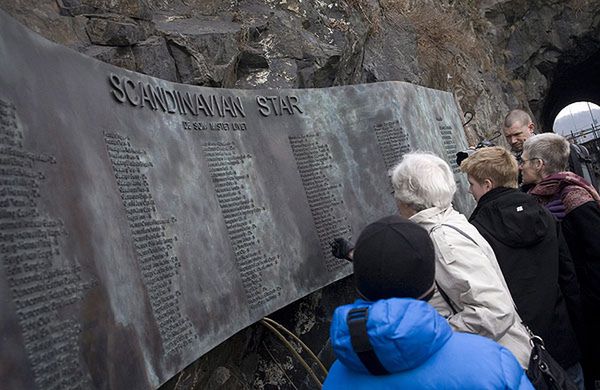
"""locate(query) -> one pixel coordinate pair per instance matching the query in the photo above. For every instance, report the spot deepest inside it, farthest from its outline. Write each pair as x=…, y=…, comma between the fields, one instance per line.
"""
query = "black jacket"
x=526, y=241
x=581, y=228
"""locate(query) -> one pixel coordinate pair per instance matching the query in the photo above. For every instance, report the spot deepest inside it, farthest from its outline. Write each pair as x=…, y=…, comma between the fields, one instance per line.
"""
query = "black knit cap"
x=394, y=258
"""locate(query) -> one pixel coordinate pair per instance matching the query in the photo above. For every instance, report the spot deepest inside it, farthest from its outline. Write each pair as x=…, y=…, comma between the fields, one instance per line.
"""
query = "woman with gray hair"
x=545, y=158
x=471, y=291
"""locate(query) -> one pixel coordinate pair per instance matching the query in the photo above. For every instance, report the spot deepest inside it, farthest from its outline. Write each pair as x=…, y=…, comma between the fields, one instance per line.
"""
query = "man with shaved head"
x=518, y=126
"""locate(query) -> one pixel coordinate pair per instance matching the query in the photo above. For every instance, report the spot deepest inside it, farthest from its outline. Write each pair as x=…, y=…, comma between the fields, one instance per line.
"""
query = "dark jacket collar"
x=489, y=197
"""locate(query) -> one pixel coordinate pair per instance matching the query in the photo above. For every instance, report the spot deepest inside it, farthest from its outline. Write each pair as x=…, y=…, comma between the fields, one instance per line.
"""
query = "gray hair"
x=423, y=180
x=552, y=148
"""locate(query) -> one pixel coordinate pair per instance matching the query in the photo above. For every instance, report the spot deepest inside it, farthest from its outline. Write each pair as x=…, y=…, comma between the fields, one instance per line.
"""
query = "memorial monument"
x=143, y=222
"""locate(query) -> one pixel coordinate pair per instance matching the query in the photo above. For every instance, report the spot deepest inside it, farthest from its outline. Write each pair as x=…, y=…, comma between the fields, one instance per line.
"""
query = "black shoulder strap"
x=442, y=292
x=357, y=324
x=446, y=298
x=461, y=232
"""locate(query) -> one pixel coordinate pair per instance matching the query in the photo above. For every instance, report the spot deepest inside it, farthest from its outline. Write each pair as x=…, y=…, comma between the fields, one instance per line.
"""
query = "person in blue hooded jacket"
x=393, y=339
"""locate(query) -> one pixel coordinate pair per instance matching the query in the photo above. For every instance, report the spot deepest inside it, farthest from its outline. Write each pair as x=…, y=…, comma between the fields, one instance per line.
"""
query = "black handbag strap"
x=357, y=324
x=440, y=289
x=446, y=298
x=461, y=232
x=543, y=371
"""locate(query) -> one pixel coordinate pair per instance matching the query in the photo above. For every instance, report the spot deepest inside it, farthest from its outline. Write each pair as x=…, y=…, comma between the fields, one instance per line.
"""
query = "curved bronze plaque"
x=143, y=222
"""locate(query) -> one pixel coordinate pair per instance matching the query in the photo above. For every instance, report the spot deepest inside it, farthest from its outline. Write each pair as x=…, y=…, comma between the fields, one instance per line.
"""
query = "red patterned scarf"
x=572, y=189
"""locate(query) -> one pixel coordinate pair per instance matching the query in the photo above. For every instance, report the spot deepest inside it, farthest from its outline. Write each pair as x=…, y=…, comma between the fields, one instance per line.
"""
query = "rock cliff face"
x=493, y=55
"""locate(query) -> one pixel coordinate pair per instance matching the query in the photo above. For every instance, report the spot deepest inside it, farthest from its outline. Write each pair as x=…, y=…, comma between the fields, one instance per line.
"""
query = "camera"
x=463, y=154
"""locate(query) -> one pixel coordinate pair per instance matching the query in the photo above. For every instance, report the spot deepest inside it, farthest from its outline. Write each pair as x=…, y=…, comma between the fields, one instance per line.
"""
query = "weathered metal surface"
x=143, y=222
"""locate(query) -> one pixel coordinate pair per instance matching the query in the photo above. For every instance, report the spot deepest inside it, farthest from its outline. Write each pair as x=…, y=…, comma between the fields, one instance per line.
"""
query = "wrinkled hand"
x=342, y=248
x=557, y=209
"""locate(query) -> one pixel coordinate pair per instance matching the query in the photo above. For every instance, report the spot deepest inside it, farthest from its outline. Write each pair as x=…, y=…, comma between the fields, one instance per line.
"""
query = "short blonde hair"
x=423, y=180
x=494, y=163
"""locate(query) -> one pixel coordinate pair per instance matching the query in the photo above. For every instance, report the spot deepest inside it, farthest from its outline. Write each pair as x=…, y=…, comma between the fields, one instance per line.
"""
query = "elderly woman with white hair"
x=544, y=161
x=471, y=290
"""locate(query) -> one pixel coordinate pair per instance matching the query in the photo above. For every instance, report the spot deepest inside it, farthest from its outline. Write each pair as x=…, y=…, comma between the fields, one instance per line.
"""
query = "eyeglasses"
x=522, y=162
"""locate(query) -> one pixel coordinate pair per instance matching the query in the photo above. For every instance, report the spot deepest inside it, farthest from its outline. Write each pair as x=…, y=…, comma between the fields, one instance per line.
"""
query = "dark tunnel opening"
x=576, y=78
x=572, y=82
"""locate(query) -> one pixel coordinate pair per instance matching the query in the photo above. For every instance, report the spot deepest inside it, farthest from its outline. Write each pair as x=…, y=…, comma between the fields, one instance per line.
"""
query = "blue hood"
x=403, y=332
